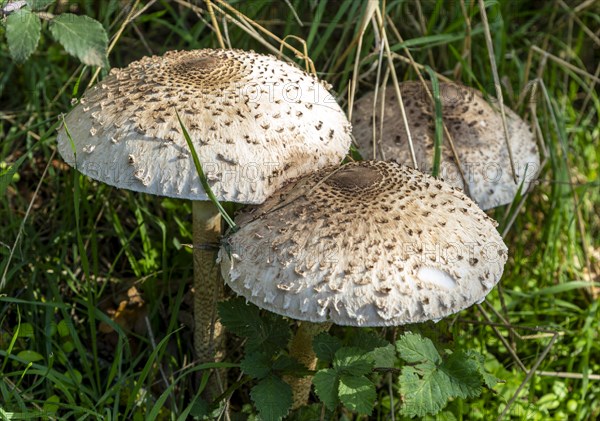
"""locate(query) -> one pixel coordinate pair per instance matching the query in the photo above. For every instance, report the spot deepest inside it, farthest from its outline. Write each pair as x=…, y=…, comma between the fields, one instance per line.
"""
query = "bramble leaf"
x=422, y=392
x=357, y=393
x=414, y=348
x=427, y=386
x=325, y=346
x=326, y=383
x=23, y=29
x=256, y=365
x=463, y=375
x=82, y=37
x=268, y=333
x=272, y=398
x=353, y=361
x=384, y=356
x=488, y=379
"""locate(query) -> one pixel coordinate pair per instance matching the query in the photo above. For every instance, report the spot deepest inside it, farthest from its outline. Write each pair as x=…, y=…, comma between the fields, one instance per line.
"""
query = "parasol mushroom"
x=476, y=130
x=372, y=243
x=255, y=121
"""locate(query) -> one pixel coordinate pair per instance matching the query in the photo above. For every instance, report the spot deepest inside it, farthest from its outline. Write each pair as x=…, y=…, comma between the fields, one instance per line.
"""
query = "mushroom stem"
x=301, y=348
x=209, y=335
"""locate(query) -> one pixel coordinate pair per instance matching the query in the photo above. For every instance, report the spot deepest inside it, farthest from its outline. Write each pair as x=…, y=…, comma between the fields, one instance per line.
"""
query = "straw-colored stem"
x=209, y=336
x=301, y=348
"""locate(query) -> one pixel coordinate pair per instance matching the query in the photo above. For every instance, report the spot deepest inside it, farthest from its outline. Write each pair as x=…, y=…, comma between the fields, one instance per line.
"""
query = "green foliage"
x=65, y=270
x=81, y=36
x=266, y=332
x=266, y=336
x=427, y=380
x=325, y=346
x=347, y=381
x=23, y=30
x=272, y=397
x=431, y=380
x=39, y=4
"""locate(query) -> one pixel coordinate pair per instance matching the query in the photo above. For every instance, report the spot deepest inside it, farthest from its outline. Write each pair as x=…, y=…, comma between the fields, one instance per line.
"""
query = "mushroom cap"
x=256, y=122
x=476, y=129
x=372, y=243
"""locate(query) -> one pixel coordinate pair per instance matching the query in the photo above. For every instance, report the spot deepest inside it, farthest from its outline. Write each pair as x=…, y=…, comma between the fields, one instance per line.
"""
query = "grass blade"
x=202, y=176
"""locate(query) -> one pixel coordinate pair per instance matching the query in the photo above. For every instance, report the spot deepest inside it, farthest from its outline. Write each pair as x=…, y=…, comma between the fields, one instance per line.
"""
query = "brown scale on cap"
x=475, y=127
x=233, y=104
x=357, y=246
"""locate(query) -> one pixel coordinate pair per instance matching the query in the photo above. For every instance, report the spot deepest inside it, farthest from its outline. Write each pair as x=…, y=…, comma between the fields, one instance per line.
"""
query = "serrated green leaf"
x=488, y=379
x=357, y=393
x=427, y=387
x=269, y=333
x=239, y=317
x=414, y=348
x=23, y=29
x=39, y=4
x=423, y=393
x=82, y=37
x=463, y=375
x=384, y=356
x=256, y=365
x=29, y=356
x=325, y=346
x=272, y=398
x=353, y=361
x=326, y=383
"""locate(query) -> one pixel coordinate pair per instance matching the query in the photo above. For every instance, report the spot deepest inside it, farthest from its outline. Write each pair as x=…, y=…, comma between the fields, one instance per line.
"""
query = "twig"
x=215, y=25
x=371, y=5
x=528, y=377
x=568, y=65
x=449, y=137
x=502, y=339
x=396, y=86
x=567, y=375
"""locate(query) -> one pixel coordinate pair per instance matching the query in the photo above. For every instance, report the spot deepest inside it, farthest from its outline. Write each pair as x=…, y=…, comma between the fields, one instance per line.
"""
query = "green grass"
x=77, y=246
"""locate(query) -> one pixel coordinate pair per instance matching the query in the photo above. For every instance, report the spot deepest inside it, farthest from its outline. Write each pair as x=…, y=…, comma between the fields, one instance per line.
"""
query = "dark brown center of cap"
x=197, y=64
x=207, y=71
x=355, y=178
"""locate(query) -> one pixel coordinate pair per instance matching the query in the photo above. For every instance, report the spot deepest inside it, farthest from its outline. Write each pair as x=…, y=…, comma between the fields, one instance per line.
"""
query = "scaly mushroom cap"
x=475, y=127
x=372, y=243
x=255, y=121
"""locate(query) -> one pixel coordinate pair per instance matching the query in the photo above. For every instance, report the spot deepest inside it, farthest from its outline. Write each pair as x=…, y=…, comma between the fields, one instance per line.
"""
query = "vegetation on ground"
x=95, y=303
